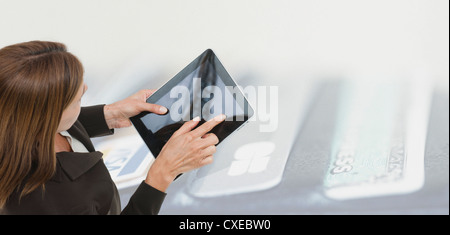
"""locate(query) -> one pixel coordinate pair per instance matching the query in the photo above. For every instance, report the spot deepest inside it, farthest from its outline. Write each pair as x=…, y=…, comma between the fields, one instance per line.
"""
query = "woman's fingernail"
x=196, y=119
x=220, y=117
x=163, y=109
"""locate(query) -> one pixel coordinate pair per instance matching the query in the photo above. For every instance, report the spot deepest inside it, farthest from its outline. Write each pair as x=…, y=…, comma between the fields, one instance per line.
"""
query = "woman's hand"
x=186, y=150
x=118, y=114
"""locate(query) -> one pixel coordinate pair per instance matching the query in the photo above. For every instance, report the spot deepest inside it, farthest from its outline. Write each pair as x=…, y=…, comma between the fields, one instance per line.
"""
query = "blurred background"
x=129, y=45
x=277, y=40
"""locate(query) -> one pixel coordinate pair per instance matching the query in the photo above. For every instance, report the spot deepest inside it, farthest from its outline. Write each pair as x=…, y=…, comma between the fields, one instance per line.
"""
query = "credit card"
x=379, y=141
x=252, y=160
x=126, y=156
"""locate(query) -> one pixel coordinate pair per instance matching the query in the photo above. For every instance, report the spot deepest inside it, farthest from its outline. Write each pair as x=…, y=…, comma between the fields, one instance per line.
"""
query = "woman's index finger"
x=207, y=126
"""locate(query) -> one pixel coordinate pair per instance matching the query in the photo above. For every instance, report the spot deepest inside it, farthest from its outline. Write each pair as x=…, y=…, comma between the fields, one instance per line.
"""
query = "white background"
x=124, y=44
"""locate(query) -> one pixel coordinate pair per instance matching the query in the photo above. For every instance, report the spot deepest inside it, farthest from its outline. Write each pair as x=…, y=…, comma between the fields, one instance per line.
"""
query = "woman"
x=48, y=165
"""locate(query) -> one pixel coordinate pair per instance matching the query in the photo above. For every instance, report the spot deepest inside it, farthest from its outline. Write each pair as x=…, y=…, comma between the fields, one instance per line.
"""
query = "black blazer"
x=82, y=184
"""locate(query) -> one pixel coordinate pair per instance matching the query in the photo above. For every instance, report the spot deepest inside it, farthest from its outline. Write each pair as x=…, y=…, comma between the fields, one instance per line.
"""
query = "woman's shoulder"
x=81, y=185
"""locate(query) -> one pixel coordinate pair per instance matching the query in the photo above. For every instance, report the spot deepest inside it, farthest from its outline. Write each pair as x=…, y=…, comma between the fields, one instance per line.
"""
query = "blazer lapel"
x=76, y=164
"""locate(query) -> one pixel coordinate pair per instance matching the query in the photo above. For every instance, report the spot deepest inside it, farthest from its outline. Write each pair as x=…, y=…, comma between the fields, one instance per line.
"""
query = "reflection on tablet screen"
x=203, y=89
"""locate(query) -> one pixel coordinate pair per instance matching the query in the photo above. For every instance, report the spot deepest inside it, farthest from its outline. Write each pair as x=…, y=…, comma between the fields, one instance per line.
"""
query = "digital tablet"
x=202, y=89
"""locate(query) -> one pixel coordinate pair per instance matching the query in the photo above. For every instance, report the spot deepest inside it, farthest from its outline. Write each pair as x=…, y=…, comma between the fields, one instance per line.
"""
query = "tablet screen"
x=202, y=89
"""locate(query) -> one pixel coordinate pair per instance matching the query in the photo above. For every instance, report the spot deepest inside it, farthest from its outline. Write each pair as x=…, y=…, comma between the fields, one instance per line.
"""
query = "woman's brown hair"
x=38, y=80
